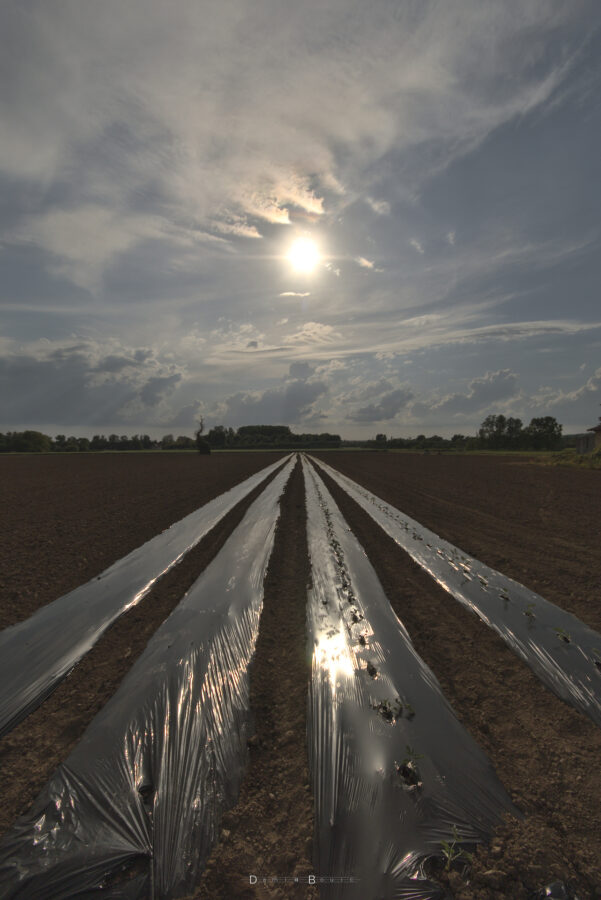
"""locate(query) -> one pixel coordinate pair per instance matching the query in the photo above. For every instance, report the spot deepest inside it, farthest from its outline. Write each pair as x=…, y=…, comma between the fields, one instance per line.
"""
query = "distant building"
x=591, y=441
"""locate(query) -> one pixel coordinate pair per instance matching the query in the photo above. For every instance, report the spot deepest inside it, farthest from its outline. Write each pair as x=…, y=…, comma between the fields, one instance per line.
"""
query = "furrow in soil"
x=270, y=830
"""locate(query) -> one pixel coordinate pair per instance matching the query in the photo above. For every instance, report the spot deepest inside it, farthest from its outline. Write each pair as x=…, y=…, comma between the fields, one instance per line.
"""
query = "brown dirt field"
x=66, y=517
x=519, y=519
x=539, y=525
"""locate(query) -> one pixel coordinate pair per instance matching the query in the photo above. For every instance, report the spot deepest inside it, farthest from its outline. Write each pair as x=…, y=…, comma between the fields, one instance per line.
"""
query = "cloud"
x=416, y=245
x=451, y=238
x=275, y=406
x=295, y=294
x=381, y=207
x=493, y=387
x=301, y=370
x=187, y=417
x=387, y=408
x=157, y=388
x=231, y=118
x=81, y=384
x=313, y=333
x=367, y=390
x=364, y=263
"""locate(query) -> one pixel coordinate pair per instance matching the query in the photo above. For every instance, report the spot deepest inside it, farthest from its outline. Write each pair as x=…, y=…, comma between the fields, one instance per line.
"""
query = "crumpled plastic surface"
x=164, y=758
x=37, y=654
x=393, y=770
x=563, y=652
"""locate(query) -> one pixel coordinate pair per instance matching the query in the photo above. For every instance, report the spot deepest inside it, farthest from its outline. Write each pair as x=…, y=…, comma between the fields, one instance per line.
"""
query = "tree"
x=217, y=436
x=492, y=431
x=544, y=433
x=201, y=445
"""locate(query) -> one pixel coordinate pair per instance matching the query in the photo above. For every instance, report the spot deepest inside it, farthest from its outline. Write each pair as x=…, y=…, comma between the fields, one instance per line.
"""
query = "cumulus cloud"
x=367, y=390
x=81, y=385
x=416, y=245
x=157, y=387
x=301, y=370
x=284, y=405
x=493, y=387
x=386, y=408
x=364, y=263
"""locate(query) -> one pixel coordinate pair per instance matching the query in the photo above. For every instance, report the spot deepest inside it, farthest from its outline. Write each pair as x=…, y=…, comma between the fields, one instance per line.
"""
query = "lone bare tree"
x=201, y=445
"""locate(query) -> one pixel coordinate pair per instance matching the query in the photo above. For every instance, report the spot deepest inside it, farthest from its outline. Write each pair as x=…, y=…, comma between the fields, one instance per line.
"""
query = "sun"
x=304, y=255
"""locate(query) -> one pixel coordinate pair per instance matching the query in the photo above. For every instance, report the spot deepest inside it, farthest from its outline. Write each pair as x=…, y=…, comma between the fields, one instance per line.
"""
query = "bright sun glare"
x=304, y=255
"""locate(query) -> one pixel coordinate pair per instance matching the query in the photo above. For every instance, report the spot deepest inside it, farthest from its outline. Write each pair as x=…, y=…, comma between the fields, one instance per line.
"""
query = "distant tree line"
x=496, y=433
x=36, y=442
x=268, y=437
x=255, y=437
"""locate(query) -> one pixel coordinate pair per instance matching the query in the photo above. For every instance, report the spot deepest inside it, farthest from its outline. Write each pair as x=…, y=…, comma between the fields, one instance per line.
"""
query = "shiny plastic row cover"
x=563, y=652
x=156, y=768
x=58, y=635
x=394, y=772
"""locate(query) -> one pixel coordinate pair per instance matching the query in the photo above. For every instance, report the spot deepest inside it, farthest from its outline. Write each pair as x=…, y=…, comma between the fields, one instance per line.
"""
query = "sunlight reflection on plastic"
x=331, y=654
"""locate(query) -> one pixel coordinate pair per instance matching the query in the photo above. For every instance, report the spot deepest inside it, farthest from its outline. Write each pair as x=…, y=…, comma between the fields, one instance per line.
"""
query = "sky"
x=158, y=160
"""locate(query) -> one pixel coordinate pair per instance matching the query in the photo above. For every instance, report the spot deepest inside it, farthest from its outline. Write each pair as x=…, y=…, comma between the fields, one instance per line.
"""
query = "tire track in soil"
x=545, y=753
x=31, y=752
x=270, y=830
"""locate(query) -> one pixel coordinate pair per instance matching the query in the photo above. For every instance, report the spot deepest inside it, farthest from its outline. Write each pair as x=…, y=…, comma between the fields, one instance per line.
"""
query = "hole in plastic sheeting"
x=409, y=775
x=147, y=793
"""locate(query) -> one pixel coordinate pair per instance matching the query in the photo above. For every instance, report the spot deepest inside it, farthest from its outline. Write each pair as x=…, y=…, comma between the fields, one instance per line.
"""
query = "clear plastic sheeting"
x=144, y=790
x=563, y=652
x=394, y=772
x=37, y=654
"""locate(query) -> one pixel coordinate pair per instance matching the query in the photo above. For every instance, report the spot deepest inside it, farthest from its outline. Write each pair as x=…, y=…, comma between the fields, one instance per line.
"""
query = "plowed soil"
x=65, y=518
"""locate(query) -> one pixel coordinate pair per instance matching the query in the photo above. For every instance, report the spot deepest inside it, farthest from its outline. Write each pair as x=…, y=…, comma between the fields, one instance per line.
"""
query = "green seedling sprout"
x=412, y=755
x=451, y=851
x=563, y=635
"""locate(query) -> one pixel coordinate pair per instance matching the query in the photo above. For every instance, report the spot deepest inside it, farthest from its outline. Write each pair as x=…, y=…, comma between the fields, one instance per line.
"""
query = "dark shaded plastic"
x=563, y=652
x=394, y=772
x=155, y=770
x=37, y=654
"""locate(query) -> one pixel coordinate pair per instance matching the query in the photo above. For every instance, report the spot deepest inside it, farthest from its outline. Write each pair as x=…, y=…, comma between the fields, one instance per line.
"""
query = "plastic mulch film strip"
x=143, y=792
x=59, y=634
x=563, y=652
x=395, y=775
